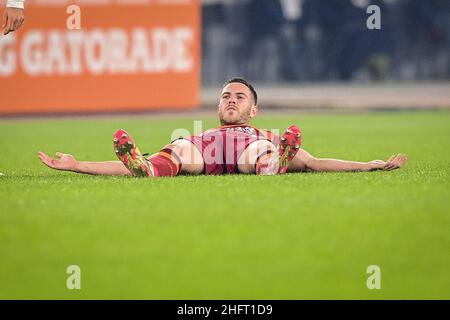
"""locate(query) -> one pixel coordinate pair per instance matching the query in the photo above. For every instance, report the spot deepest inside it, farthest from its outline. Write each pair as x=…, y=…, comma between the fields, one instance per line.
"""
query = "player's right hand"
x=62, y=161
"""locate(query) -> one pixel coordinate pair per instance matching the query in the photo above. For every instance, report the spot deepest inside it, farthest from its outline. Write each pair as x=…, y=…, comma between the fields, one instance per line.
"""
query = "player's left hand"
x=12, y=19
x=395, y=162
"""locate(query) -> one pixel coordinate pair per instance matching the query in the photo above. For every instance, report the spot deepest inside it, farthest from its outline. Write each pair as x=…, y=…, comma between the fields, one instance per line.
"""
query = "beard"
x=233, y=117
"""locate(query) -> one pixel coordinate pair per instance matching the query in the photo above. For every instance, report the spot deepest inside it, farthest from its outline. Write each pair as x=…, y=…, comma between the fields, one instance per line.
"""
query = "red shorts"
x=222, y=147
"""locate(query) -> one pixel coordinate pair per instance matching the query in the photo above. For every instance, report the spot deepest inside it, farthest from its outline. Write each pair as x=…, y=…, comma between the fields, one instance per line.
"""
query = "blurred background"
x=320, y=54
x=272, y=41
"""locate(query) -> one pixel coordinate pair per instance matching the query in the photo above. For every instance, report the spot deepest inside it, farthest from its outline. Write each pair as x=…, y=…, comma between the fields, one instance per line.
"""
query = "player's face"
x=236, y=105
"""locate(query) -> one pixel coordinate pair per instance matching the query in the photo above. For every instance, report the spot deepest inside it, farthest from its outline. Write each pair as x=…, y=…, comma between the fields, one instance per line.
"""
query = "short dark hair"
x=245, y=83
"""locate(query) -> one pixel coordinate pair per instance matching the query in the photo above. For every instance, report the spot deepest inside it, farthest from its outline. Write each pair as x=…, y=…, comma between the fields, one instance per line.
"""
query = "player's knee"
x=258, y=148
x=247, y=161
x=190, y=156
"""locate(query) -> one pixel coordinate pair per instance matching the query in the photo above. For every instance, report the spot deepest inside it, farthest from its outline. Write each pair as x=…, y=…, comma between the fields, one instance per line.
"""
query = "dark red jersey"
x=222, y=147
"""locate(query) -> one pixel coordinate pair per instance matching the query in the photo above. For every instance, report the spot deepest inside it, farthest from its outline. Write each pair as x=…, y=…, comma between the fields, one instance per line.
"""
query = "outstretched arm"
x=304, y=161
x=67, y=162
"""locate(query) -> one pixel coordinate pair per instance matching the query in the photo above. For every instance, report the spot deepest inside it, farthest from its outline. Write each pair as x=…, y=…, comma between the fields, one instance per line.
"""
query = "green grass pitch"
x=298, y=236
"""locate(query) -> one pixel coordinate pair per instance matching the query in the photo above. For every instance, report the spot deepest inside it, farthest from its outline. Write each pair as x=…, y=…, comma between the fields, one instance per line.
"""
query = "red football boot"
x=129, y=154
x=290, y=143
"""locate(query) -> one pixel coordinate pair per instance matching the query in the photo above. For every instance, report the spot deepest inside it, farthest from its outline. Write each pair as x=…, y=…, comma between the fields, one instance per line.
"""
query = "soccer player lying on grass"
x=234, y=147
